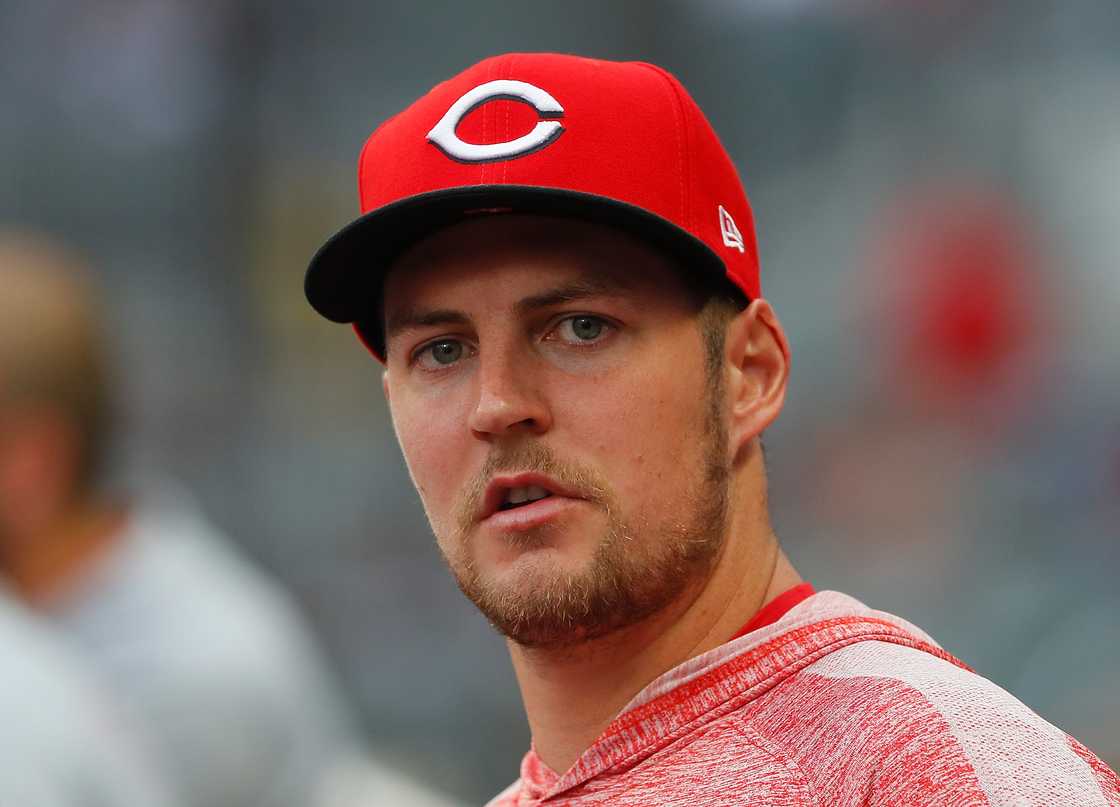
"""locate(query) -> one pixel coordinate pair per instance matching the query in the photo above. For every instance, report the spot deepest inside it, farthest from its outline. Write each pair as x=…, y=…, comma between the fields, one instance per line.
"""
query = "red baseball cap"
x=620, y=143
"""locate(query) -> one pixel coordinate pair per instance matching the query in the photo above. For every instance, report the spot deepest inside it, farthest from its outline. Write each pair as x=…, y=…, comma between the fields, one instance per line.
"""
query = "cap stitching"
x=485, y=110
x=505, y=163
x=686, y=168
x=679, y=115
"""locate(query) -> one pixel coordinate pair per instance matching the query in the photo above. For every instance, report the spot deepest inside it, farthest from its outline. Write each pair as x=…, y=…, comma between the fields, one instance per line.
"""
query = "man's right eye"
x=440, y=353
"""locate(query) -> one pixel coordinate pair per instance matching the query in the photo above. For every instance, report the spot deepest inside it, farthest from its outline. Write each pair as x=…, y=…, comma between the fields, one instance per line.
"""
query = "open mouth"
x=521, y=496
x=516, y=491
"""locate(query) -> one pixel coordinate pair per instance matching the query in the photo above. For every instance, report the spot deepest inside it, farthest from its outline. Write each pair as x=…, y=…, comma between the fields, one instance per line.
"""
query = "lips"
x=510, y=492
x=518, y=497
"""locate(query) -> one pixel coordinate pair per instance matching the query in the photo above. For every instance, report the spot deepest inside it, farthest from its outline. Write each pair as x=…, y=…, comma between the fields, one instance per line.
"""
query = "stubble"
x=637, y=569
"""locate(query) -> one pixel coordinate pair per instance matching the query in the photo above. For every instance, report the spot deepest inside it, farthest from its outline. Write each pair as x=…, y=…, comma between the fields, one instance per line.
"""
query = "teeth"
x=529, y=493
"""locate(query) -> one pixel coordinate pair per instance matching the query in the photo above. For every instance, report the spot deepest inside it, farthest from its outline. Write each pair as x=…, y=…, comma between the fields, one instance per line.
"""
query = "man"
x=557, y=265
x=62, y=743
x=209, y=658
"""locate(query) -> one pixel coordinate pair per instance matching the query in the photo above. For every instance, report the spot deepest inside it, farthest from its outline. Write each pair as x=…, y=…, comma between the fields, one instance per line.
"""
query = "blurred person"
x=951, y=296
x=209, y=656
x=958, y=352
x=62, y=742
x=989, y=440
x=557, y=266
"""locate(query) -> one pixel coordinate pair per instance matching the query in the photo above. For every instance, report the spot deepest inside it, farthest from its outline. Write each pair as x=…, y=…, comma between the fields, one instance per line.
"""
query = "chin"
x=543, y=599
x=535, y=570
x=503, y=555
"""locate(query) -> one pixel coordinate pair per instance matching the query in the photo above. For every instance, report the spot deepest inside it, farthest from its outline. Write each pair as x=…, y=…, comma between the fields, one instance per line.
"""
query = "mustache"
x=531, y=457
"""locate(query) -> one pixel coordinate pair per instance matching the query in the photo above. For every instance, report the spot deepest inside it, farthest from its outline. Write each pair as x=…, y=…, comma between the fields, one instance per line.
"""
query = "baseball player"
x=557, y=266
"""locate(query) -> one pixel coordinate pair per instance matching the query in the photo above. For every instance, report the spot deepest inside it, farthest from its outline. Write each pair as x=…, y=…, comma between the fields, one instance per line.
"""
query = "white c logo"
x=444, y=136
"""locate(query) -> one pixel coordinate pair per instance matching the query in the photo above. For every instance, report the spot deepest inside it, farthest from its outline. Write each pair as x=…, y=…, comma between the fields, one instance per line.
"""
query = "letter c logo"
x=444, y=136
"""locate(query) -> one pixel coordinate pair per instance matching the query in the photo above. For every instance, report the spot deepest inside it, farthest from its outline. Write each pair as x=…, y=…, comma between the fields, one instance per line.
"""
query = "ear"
x=757, y=354
x=385, y=383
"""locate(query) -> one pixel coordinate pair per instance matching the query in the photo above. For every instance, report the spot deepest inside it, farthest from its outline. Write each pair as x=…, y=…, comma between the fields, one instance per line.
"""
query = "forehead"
x=528, y=251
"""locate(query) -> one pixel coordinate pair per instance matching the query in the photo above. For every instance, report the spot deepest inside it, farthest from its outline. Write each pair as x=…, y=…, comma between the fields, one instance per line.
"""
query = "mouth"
x=517, y=491
x=521, y=496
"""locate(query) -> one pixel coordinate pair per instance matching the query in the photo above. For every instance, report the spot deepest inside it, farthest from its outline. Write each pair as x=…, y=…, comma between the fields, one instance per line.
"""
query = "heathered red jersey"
x=835, y=705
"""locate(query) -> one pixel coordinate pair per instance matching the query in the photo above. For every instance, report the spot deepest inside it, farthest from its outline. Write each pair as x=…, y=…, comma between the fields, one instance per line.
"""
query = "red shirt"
x=776, y=608
x=831, y=705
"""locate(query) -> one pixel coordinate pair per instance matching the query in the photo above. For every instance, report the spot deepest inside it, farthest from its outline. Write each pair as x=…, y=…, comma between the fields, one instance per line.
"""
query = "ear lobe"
x=385, y=383
x=758, y=354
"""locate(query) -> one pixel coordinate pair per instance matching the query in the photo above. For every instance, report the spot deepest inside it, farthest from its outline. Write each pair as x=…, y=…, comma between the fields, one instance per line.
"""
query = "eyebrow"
x=410, y=318
x=568, y=293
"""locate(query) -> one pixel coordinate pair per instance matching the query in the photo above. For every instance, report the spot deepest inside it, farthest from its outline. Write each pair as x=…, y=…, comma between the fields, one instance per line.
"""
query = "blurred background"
x=937, y=191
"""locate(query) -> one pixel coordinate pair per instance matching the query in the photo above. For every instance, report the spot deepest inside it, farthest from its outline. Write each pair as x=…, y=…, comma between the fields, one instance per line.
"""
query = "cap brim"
x=344, y=278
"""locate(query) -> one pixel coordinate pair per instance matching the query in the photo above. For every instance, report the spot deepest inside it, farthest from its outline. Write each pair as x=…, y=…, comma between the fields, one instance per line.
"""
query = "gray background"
x=199, y=152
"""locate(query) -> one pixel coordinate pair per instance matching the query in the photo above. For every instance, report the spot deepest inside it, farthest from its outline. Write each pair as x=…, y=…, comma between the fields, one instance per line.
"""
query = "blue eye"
x=587, y=328
x=441, y=353
x=446, y=352
x=582, y=329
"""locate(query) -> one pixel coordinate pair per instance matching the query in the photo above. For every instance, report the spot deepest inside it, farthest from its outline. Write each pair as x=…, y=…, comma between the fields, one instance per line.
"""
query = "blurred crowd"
x=217, y=585
x=155, y=664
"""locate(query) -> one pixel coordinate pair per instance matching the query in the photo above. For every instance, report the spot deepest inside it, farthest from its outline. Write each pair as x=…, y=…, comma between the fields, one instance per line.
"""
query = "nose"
x=510, y=397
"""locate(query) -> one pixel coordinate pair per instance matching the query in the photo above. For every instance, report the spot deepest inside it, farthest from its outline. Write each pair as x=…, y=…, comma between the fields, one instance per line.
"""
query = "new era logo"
x=731, y=235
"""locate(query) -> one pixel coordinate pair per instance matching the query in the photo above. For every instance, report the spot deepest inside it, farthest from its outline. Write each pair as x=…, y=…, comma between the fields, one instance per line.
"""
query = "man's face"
x=533, y=357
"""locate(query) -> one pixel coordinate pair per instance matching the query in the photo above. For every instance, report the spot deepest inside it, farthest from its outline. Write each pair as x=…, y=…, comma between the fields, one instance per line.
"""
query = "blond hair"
x=52, y=343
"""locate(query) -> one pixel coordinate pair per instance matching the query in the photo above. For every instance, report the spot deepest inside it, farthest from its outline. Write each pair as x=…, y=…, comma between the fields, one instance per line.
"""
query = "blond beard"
x=627, y=580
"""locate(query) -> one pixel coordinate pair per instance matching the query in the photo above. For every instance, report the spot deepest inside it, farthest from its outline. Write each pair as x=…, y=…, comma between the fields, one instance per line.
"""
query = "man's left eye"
x=582, y=328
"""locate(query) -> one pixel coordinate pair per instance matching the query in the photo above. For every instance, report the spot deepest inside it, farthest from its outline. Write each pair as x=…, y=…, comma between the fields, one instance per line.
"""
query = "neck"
x=46, y=562
x=571, y=694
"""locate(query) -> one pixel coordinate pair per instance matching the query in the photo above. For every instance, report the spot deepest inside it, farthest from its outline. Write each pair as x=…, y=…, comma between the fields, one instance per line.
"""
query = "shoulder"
x=213, y=655
x=46, y=673
x=930, y=725
x=63, y=738
x=191, y=604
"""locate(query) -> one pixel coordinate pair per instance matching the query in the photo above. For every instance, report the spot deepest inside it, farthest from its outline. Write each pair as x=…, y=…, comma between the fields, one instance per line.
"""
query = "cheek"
x=433, y=450
x=643, y=430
